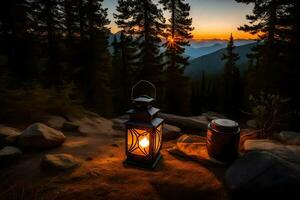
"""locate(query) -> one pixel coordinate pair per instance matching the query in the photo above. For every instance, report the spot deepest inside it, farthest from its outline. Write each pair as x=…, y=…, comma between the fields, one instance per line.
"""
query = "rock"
x=193, y=147
x=9, y=154
x=55, y=121
x=261, y=144
x=170, y=132
x=40, y=136
x=213, y=115
x=263, y=173
x=288, y=137
x=193, y=123
x=70, y=126
x=91, y=114
x=290, y=153
x=118, y=124
x=8, y=135
x=60, y=162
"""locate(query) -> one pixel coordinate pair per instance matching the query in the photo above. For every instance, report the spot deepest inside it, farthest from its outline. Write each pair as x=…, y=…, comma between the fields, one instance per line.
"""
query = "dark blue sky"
x=211, y=18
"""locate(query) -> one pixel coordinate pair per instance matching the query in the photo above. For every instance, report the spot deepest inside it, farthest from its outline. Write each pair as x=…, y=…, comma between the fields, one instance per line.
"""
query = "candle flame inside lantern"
x=144, y=142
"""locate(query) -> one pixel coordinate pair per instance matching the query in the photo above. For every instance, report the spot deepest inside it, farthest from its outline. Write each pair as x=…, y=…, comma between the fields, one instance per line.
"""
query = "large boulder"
x=290, y=153
x=60, y=162
x=8, y=135
x=263, y=173
x=40, y=136
x=288, y=137
x=186, y=123
x=9, y=154
x=170, y=132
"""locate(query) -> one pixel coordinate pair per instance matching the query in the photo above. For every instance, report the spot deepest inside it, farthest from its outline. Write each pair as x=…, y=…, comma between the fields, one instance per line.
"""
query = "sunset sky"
x=211, y=18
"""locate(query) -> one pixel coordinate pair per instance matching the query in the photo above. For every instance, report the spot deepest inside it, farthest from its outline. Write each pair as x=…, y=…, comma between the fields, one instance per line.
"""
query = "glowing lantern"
x=143, y=131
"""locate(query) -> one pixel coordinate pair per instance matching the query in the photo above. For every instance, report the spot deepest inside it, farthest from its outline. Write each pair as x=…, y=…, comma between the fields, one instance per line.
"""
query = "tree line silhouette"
x=61, y=48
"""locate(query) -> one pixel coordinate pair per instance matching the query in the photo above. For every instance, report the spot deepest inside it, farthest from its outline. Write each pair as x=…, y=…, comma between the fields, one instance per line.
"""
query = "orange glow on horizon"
x=198, y=35
x=206, y=33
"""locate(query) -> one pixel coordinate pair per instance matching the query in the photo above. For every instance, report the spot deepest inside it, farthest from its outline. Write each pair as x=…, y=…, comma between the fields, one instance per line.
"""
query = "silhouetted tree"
x=267, y=21
x=231, y=92
x=147, y=25
x=97, y=68
x=177, y=35
x=49, y=25
x=126, y=61
x=17, y=41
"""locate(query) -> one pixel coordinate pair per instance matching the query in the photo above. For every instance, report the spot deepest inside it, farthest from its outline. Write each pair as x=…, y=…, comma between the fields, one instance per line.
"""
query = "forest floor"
x=102, y=174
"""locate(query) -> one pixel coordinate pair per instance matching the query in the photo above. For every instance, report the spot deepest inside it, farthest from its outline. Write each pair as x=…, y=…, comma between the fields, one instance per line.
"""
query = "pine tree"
x=231, y=79
x=147, y=25
x=125, y=54
x=177, y=35
x=267, y=21
x=17, y=42
x=97, y=69
x=72, y=40
x=49, y=24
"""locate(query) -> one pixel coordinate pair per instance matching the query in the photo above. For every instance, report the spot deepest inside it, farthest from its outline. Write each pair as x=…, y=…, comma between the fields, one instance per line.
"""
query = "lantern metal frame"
x=151, y=124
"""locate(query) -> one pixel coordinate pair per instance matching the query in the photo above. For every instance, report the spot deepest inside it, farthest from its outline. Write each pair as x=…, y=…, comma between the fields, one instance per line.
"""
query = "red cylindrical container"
x=222, y=141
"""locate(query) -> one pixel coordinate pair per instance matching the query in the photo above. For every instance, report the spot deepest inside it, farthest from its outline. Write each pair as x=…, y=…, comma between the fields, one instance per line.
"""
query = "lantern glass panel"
x=158, y=138
x=138, y=141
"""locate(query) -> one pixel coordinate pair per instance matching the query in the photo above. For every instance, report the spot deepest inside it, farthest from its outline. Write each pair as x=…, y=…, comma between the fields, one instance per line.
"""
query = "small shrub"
x=269, y=112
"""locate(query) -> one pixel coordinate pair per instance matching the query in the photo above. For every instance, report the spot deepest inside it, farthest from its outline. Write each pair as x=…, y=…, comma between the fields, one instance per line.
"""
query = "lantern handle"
x=141, y=82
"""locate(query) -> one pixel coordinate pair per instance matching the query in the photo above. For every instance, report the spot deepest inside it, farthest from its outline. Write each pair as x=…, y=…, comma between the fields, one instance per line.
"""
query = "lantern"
x=143, y=130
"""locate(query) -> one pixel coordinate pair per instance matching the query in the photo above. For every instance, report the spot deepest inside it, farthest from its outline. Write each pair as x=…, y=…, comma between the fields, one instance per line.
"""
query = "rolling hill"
x=212, y=63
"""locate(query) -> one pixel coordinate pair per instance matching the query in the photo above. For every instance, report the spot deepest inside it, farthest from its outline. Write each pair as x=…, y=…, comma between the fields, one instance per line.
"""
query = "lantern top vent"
x=143, y=93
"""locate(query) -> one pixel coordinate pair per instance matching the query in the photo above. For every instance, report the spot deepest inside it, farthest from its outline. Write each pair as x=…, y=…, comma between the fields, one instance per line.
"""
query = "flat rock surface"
x=102, y=174
x=261, y=144
x=171, y=132
x=186, y=123
x=288, y=137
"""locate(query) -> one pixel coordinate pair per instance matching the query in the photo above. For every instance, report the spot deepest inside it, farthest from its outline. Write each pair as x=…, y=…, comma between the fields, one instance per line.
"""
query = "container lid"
x=225, y=125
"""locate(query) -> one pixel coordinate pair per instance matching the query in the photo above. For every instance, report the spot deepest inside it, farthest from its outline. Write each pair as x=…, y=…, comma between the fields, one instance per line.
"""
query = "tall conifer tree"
x=177, y=35
x=231, y=85
x=49, y=25
x=125, y=54
x=97, y=69
x=147, y=25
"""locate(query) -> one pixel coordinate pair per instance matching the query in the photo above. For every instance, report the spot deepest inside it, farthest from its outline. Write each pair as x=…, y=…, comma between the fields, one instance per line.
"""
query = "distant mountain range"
x=203, y=47
x=212, y=64
x=205, y=55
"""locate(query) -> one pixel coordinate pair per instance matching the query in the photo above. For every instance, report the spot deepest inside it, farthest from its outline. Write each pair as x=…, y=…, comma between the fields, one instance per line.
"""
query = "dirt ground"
x=104, y=176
